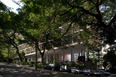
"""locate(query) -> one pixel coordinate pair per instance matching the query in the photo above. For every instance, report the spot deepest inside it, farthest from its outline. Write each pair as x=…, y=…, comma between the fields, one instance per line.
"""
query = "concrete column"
x=63, y=55
x=86, y=50
x=54, y=56
x=80, y=54
x=72, y=53
x=48, y=58
x=85, y=56
x=77, y=56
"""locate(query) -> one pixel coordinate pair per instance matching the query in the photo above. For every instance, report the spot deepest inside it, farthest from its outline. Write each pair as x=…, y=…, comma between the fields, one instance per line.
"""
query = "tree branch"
x=16, y=3
x=101, y=2
x=97, y=7
x=39, y=50
x=68, y=28
x=66, y=12
x=91, y=1
x=72, y=22
x=87, y=12
x=84, y=10
x=113, y=20
x=91, y=23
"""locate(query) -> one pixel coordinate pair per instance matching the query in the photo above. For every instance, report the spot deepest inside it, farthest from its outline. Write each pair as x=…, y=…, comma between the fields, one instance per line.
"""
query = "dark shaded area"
x=25, y=71
x=112, y=70
x=81, y=58
x=110, y=61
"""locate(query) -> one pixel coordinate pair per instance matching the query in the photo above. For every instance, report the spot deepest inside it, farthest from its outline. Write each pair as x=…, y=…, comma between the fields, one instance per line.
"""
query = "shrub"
x=31, y=63
x=19, y=62
x=40, y=65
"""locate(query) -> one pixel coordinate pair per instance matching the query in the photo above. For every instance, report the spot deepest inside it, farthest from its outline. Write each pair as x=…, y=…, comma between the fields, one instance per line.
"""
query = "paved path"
x=11, y=70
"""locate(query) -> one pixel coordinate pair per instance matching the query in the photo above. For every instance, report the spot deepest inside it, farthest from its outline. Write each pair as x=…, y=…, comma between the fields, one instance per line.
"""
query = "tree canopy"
x=46, y=22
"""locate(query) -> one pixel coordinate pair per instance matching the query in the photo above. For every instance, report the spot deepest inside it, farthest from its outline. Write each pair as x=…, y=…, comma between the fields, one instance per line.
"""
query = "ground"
x=13, y=70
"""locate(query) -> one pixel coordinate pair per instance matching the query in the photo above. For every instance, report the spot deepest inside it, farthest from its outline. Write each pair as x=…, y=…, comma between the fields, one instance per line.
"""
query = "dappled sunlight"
x=55, y=73
x=46, y=73
x=22, y=71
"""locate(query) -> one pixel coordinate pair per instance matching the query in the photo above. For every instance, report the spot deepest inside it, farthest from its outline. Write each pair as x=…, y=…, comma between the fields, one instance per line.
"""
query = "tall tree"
x=99, y=14
x=35, y=32
x=39, y=28
x=9, y=27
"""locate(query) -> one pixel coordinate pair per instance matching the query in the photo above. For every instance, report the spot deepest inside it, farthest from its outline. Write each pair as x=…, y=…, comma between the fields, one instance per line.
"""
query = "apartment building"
x=68, y=51
x=60, y=54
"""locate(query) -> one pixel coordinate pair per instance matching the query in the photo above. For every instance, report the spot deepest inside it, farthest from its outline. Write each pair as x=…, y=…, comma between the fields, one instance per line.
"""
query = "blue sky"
x=10, y=4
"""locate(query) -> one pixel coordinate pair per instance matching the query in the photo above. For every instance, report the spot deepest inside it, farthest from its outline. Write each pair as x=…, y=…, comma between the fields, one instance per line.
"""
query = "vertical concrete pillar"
x=77, y=56
x=72, y=53
x=86, y=50
x=54, y=56
x=63, y=55
x=47, y=57
x=85, y=56
x=80, y=54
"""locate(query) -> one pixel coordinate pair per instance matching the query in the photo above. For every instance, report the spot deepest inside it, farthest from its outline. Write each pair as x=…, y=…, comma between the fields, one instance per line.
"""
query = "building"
x=73, y=50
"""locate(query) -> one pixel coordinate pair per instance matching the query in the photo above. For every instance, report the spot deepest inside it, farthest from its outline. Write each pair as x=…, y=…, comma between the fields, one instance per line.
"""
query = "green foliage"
x=2, y=6
x=98, y=14
x=23, y=63
x=41, y=65
x=32, y=63
x=109, y=59
x=7, y=53
x=40, y=21
x=71, y=64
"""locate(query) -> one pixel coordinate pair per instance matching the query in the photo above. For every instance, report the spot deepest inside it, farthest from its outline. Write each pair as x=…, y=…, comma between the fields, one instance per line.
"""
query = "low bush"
x=40, y=65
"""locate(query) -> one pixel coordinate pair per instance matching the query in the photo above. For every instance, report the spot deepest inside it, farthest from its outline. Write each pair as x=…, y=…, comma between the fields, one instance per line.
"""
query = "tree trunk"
x=42, y=57
x=8, y=54
x=36, y=47
x=17, y=51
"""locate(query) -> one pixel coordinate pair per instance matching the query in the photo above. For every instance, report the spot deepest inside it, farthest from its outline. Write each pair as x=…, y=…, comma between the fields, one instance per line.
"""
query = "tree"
x=99, y=14
x=6, y=51
x=12, y=40
x=9, y=28
x=109, y=60
x=43, y=19
x=2, y=6
x=35, y=33
x=38, y=26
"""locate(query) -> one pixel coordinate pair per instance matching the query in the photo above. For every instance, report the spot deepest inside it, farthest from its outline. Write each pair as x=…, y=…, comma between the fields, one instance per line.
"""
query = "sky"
x=11, y=4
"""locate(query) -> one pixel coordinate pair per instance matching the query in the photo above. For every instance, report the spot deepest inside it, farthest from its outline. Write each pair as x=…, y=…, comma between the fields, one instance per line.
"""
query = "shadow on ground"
x=7, y=70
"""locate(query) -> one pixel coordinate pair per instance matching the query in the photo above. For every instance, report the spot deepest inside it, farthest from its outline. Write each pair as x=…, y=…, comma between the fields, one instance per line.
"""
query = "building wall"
x=63, y=55
x=66, y=54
